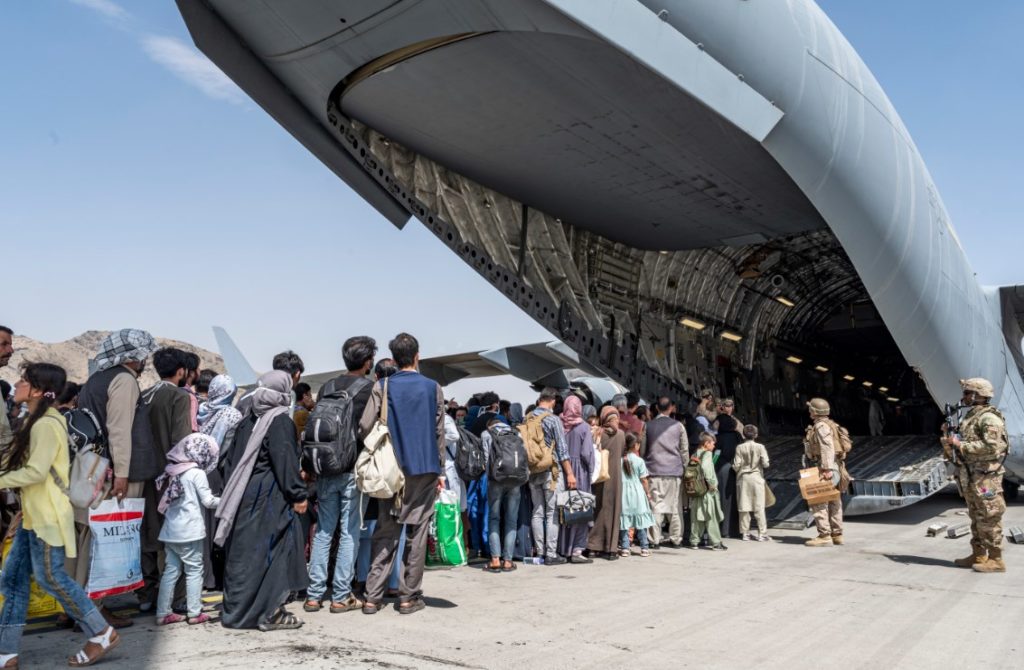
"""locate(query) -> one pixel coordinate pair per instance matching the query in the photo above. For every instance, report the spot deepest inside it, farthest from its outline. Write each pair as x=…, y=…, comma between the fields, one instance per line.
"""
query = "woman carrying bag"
x=33, y=461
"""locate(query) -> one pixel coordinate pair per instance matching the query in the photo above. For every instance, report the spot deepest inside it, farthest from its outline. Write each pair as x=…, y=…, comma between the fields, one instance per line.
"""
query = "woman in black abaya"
x=259, y=513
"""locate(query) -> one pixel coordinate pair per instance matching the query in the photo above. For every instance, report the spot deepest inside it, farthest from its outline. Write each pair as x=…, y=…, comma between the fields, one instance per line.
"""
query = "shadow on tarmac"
x=906, y=559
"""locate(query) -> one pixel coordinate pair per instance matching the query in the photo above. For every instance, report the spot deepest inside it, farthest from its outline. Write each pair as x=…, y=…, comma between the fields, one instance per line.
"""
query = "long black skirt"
x=264, y=558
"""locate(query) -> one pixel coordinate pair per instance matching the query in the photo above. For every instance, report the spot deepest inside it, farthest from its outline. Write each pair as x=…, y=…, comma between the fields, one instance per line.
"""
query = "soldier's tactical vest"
x=840, y=440
x=970, y=430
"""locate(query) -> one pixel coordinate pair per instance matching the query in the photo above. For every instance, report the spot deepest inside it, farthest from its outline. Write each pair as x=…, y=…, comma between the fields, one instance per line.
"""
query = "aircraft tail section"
x=234, y=362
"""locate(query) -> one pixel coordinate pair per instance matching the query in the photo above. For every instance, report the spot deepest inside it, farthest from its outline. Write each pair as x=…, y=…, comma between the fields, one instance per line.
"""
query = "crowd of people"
x=226, y=480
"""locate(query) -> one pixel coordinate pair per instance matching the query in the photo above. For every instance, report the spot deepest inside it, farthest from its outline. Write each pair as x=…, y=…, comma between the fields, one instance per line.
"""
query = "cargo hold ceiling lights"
x=784, y=301
x=867, y=384
x=893, y=399
x=731, y=336
x=821, y=368
x=849, y=378
x=883, y=389
x=692, y=323
x=794, y=360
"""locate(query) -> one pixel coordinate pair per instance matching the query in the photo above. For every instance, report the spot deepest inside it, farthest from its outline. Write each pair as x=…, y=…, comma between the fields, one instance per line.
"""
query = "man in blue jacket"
x=415, y=420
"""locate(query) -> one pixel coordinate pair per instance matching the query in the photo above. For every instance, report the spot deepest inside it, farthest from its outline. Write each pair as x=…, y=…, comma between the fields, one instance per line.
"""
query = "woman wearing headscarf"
x=259, y=513
x=604, y=536
x=218, y=419
x=572, y=540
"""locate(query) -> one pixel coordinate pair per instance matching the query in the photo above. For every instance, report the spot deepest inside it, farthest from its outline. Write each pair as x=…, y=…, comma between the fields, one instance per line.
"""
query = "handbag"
x=377, y=472
x=90, y=478
x=601, y=466
x=576, y=509
x=769, y=496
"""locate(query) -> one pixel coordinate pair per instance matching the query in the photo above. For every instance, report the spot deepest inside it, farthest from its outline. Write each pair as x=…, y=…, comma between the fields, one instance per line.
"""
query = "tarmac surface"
x=889, y=598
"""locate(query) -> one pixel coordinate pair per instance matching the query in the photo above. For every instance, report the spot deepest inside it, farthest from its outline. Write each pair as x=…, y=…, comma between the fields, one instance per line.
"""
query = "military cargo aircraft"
x=686, y=193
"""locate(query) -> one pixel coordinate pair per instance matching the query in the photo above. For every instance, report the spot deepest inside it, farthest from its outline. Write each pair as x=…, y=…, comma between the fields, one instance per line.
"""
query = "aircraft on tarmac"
x=686, y=193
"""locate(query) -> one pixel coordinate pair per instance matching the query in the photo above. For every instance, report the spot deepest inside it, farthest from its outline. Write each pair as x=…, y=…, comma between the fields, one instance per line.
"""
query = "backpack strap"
x=384, y=404
x=53, y=471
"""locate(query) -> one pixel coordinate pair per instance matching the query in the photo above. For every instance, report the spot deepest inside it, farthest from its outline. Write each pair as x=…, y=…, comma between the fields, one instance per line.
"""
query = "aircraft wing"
x=541, y=364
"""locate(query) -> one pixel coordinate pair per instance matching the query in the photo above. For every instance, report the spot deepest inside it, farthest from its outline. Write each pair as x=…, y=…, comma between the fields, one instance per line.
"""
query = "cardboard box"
x=814, y=490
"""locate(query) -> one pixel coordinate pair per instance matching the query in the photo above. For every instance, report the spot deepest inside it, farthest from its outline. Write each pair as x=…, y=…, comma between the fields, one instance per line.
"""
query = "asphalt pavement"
x=889, y=598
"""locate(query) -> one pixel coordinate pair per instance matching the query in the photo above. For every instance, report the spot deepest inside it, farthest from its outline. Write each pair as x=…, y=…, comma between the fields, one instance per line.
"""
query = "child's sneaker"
x=202, y=618
x=625, y=553
x=169, y=619
x=644, y=553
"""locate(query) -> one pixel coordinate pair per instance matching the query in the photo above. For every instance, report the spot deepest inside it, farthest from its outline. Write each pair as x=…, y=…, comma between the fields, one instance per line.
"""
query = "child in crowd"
x=636, y=498
x=186, y=492
x=706, y=509
x=750, y=462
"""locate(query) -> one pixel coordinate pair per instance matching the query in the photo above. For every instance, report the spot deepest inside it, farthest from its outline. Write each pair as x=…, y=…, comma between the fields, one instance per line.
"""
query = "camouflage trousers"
x=828, y=517
x=983, y=492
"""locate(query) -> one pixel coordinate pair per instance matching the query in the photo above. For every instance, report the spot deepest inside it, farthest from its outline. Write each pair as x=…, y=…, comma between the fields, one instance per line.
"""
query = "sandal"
x=644, y=553
x=11, y=663
x=412, y=606
x=351, y=603
x=169, y=619
x=202, y=617
x=508, y=566
x=101, y=646
x=312, y=606
x=494, y=566
x=372, y=608
x=282, y=620
x=625, y=553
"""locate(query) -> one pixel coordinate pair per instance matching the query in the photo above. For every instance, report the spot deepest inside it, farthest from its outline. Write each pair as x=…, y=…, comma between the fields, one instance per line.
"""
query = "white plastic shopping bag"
x=115, y=565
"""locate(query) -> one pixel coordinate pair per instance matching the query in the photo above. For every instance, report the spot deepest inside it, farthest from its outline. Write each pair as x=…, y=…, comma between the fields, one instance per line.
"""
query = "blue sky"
x=140, y=189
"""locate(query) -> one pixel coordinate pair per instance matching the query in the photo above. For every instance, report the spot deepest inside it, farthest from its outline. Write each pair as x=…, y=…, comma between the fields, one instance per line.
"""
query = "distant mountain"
x=74, y=354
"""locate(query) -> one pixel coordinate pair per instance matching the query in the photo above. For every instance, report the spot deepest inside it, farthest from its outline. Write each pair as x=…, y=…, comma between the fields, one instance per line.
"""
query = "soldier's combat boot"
x=993, y=564
x=820, y=541
x=978, y=556
x=837, y=539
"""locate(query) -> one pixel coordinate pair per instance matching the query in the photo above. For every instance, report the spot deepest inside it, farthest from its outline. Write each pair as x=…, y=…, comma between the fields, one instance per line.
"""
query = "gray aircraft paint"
x=779, y=71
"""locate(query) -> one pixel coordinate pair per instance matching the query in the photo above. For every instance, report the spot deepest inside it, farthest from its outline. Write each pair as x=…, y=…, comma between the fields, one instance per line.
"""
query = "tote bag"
x=377, y=471
x=115, y=563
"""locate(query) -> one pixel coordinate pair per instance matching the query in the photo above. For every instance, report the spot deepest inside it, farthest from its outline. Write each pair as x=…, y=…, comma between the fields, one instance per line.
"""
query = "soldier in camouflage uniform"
x=820, y=448
x=981, y=450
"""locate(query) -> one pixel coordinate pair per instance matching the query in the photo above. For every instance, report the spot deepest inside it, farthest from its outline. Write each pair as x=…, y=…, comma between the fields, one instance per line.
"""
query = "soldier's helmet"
x=982, y=387
x=818, y=407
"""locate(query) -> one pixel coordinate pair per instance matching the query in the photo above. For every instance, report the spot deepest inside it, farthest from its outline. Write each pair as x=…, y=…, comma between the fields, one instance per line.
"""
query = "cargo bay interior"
x=659, y=241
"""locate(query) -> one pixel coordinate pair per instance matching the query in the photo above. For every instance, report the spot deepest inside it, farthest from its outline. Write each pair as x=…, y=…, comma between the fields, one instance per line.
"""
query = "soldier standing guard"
x=820, y=448
x=981, y=451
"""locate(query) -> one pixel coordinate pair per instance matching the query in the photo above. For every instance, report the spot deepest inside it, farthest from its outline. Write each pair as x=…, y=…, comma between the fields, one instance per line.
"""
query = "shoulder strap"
x=53, y=471
x=384, y=404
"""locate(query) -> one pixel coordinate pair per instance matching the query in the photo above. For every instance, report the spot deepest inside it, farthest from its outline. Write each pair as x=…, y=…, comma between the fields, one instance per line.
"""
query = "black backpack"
x=469, y=456
x=508, y=463
x=329, y=442
x=85, y=432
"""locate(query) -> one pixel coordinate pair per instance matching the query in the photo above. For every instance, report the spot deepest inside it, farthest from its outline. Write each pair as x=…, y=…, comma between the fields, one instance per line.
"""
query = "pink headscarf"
x=194, y=451
x=572, y=412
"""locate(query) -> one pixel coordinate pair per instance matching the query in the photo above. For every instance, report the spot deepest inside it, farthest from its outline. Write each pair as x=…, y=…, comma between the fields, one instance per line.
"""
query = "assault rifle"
x=951, y=428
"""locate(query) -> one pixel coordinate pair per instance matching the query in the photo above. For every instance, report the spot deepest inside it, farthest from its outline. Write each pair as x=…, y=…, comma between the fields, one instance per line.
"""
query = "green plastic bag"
x=444, y=546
